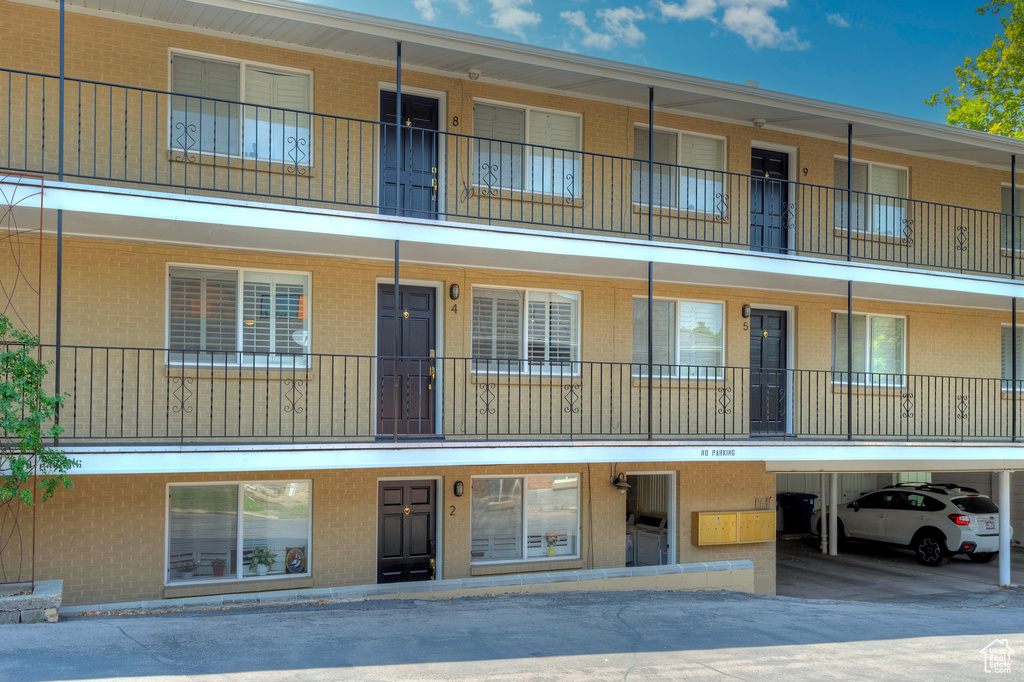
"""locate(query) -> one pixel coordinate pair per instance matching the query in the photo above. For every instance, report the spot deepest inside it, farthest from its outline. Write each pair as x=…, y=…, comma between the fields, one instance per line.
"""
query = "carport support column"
x=1004, y=528
x=833, y=508
x=823, y=500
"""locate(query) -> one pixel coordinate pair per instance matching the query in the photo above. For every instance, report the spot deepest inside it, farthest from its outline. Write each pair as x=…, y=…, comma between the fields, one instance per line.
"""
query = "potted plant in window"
x=218, y=567
x=187, y=569
x=261, y=560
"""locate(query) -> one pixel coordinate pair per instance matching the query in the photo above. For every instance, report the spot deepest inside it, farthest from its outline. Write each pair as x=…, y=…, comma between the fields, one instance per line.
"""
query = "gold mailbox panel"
x=732, y=527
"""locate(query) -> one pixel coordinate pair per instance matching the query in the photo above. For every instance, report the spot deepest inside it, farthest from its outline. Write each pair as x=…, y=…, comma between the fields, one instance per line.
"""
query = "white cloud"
x=690, y=9
x=618, y=26
x=426, y=9
x=750, y=19
x=429, y=10
x=837, y=19
x=509, y=15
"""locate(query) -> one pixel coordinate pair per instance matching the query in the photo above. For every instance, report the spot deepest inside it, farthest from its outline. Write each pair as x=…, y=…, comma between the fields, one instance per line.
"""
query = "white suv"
x=935, y=520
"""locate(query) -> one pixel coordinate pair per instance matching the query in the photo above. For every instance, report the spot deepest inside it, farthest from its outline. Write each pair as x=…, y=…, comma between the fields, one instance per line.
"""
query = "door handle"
x=433, y=373
x=433, y=568
x=433, y=184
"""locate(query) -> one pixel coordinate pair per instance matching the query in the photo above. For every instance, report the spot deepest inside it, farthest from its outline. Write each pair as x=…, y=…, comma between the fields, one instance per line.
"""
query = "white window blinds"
x=497, y=326
x=666, y=154
x=204, y=316
x=499, y=157
x=202, y=121
x=700, y=335
x=202, y=313
x=274, y=320
x=277, y=127
x=878, y=346
x=664, y=334
x=879, y=197
x=548, y=334
x=1007, y=346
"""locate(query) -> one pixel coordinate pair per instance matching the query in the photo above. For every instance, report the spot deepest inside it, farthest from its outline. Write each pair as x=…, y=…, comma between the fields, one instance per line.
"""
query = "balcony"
x=151, y=395
x=123, y=136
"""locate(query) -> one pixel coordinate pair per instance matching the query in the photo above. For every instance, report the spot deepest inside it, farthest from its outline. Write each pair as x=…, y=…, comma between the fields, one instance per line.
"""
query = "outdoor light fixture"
x=459, y=489
x=453, y=291
x=746, y=310
x=759, y=122
x=474, y=74
x=620, y=483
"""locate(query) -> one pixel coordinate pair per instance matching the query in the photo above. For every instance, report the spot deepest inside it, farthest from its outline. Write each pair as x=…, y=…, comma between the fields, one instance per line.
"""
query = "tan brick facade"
x=105, y=538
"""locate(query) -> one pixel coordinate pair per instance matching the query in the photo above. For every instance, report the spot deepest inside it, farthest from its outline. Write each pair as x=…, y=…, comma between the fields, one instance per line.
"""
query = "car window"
x=975, y=505
x=933, y=505
x=879, y=500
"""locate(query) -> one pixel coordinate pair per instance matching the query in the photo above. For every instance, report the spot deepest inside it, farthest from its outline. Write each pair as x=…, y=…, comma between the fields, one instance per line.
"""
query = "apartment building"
x=605, y=274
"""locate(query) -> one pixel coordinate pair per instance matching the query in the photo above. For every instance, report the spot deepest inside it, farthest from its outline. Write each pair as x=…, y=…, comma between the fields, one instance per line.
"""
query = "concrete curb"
x=437, y=589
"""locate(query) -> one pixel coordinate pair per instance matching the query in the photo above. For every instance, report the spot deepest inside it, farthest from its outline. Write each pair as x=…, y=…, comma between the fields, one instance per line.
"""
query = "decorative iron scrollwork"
x=963, y=407
x=570, y=189
x=721, y=207
x=724, y=400
x=789, y=214
x=297, y=155
x=961, y=238
x=293, y=395
x=182, y=394
x=907, y=236
x=485, y=396
x=907, y=405
x=185, y=141
x=571, y=396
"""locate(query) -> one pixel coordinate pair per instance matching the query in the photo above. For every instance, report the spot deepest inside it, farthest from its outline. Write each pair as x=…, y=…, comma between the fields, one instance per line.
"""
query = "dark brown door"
x=770, y=212
x=768, y=376
x=415, y=366
x=416, y=177
x=405, y=531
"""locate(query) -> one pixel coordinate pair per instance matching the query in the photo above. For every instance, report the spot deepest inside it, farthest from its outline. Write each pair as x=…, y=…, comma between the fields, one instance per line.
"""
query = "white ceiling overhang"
x=347, y=34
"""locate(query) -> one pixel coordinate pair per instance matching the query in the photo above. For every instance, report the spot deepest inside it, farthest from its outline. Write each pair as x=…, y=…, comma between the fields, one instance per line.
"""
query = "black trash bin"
x=797, y=510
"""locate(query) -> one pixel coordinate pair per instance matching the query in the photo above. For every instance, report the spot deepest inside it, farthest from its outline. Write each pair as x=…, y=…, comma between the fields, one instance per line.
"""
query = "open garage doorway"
x=891, y=520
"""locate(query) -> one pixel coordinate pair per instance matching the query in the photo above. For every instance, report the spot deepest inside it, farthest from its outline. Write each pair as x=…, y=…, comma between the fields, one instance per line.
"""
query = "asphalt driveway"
x=865, y=571
x=549, y=637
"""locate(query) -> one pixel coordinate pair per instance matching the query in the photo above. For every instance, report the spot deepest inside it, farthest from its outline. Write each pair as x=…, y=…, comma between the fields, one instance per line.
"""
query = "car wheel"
x=928, y=547
x=982, y=557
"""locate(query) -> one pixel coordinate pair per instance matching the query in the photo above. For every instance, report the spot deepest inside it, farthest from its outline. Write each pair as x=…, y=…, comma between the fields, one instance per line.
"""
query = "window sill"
x=681, y=383
x=525, y=566
x=240, y=372
x=524, y=196
x=684, y=214
x=523, y=379
x=245, y=163
x=1008, y=253
x=863, y=236
x=235, y=586
x=868, y=389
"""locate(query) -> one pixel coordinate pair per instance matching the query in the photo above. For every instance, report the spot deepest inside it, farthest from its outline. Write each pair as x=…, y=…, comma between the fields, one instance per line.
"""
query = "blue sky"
x=885, y=56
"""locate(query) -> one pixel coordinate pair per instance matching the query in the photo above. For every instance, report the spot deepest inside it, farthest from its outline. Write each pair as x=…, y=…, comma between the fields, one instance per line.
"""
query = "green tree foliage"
x=27, y=415
x=991, y=87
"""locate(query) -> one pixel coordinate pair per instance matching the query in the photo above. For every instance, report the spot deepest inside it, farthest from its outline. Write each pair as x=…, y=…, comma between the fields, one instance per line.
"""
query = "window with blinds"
x=689, y=338
x=1006, y=208
x=205, y=114
x=238, y=316
x=525, y=149
x=273, y=124
x=879, y=198
x=514, y=331
x=1007, y=354
x=878, y=348
x=688, y=170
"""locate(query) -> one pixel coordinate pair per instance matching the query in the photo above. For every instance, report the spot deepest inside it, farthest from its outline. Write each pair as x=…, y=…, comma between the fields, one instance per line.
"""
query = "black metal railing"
x=147, y=394
x=119, y=134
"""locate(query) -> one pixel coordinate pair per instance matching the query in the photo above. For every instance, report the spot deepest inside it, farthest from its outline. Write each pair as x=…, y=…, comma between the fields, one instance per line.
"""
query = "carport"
x=872, y=461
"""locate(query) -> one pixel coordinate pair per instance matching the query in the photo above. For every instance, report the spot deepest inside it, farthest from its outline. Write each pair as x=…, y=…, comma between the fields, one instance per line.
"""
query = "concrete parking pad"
x=580, y=636
x=865, y=571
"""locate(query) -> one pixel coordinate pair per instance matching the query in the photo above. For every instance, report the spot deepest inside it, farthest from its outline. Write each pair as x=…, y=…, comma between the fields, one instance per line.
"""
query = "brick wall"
x=105, y=538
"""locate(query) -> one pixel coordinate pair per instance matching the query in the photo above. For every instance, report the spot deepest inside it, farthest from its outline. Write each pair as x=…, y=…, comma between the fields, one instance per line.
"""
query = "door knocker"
x=406, y=314
x=766, y=333
x=406, y=511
